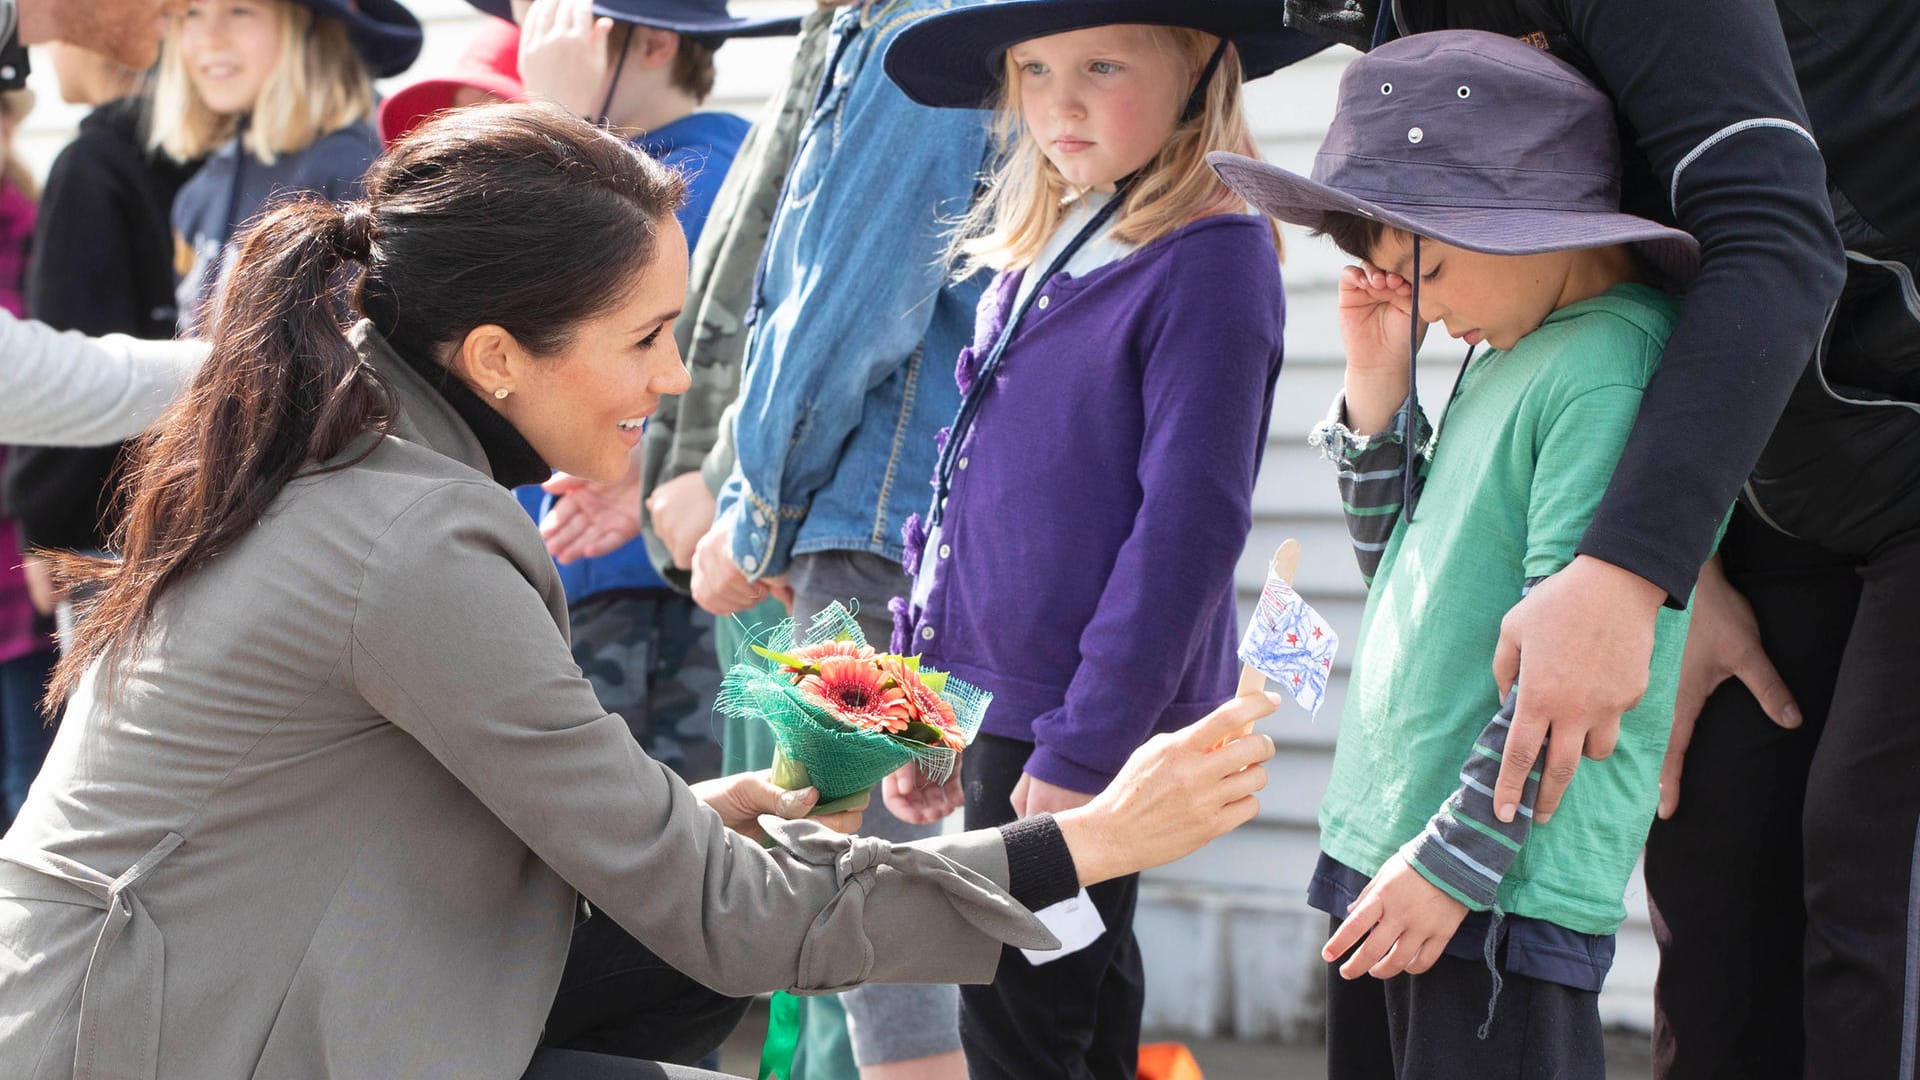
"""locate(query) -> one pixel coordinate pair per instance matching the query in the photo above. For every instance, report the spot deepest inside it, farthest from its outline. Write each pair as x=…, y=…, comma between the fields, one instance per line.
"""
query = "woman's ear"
x=489, y=360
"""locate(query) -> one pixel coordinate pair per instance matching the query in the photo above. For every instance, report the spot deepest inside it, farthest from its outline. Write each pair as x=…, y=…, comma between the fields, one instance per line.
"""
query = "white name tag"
x=1076, y=922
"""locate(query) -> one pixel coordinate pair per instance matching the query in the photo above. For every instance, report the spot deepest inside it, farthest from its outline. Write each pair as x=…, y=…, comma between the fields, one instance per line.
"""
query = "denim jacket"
x=856, y=325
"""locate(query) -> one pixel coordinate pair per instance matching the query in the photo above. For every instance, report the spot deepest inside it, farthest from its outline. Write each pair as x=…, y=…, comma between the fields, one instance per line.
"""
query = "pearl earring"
x=502, y=393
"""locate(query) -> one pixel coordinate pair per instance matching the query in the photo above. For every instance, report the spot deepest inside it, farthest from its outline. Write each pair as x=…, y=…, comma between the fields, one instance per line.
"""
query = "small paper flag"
x=1290, y=643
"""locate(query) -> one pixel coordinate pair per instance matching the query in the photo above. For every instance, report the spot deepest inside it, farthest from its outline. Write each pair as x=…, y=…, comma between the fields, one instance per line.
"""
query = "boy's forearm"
x=1373, y=397
x=1465, y=850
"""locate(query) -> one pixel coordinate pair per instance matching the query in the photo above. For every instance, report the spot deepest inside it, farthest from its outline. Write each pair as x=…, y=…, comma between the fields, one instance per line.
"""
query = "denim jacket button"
x=926, y=633
x=759, y=518
x=749, y=563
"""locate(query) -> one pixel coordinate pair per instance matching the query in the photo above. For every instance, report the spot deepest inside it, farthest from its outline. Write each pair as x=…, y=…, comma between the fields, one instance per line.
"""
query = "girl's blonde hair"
x=317, y=87
x=1009, y=225
x=17, y=104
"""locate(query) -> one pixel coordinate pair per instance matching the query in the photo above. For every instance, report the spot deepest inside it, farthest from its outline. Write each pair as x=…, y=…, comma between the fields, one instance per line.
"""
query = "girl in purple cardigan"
x=1095, y=493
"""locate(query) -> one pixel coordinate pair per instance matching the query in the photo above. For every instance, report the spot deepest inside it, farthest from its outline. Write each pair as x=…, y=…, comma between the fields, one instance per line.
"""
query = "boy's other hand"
x=916, y=799
x=1723, y=643
x=682, y=511
x=1580, y=645
x=1035, y=796
x=1404, y=920
x=719, y=586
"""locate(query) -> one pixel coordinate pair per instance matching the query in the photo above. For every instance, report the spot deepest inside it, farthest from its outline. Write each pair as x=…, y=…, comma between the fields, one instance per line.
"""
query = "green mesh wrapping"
x=840, y=760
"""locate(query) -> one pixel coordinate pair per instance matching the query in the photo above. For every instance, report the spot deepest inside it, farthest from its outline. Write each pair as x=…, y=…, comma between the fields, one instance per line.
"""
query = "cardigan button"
x=1041, y=303
x=963, y=462
x=926, y=633
x=946, y=550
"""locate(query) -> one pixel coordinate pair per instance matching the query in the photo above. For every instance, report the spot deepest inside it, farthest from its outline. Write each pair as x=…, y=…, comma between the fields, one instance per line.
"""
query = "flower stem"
x=789, y=774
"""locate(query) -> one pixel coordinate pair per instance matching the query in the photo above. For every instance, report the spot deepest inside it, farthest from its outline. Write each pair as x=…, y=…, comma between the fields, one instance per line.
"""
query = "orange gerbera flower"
x=824, y=650
x=928, y=707
x=859, y=693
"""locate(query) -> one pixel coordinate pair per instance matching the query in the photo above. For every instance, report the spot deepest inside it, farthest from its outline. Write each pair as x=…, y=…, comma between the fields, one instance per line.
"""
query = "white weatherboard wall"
x=1230, y=945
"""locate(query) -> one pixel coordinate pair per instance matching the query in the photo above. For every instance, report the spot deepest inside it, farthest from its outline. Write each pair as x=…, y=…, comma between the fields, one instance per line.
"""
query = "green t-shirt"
x=1523, y=455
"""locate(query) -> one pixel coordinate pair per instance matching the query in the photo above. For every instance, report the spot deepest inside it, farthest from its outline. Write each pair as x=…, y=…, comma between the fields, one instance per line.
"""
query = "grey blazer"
x=332, y=822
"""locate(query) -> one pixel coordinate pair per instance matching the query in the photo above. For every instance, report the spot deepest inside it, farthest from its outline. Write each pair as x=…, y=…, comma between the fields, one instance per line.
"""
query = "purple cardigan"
x=1103, y=497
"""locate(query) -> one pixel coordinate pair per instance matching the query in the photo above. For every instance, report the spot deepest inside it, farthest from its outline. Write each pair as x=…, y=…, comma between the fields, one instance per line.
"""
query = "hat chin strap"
x=619, y=65
x=1198, y=98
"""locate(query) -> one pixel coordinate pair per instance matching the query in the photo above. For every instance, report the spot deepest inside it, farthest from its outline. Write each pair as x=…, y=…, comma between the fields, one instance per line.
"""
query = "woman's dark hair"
x=514, y=215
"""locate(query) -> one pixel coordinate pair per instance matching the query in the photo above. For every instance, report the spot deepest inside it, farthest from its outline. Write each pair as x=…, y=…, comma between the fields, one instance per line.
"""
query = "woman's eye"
x=648, y=341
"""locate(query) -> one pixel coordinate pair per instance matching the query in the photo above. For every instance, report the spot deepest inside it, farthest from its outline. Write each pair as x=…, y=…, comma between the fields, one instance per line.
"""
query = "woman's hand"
x=682, y=511
x=1723, y=643
x=740, y=799
x=1404, y=920
x=1177, y=792
x=915, y=799
x=1375, y=315
x=563, y=54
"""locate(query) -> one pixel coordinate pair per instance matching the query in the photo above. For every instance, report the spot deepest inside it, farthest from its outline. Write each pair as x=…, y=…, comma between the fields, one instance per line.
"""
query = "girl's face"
x=581, y=408
x=230, y=47
x=1101, y=102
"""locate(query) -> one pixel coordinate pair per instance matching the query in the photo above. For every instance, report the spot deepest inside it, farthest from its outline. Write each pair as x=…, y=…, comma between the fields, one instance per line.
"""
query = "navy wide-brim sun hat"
x=385, y=34
x=955, y=59
x=689, y=18
x=1474, y=139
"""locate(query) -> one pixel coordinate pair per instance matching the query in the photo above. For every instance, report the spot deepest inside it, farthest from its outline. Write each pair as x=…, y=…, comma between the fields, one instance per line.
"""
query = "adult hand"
x=1723, y=643
x=1033, y=795
x=1406, y=923
x=916, y=799
x=682, y=511
x=589, y=520
x=126, y=30
x=1178, y=791
x=1580, y=645
x=740, y=799
x=42, y=593
x=719, y=586
x=563, y=54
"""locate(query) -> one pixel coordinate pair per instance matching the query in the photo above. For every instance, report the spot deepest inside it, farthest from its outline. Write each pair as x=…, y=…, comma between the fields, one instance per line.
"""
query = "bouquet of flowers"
x=844, y=716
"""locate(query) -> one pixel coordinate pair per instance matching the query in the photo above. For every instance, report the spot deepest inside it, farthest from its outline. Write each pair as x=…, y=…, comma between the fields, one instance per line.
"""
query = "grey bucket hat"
x=1476, y=140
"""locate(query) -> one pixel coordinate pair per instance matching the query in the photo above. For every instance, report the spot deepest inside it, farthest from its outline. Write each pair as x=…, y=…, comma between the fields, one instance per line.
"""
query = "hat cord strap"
x=1199, y=96
x=1408, y=468
x=619, y=65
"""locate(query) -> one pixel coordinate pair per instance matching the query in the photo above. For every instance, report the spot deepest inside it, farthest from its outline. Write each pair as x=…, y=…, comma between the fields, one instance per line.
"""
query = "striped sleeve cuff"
x=1465, y=850
x=1369, y=472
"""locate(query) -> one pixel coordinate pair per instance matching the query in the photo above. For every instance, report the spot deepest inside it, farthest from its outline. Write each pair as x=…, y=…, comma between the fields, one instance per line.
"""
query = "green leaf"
x=786, y=660
x=925, y=734
x=936, y=681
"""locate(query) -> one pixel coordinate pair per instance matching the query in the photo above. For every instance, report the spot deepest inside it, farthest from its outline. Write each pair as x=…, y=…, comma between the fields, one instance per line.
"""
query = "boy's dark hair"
x=693, y=67
x=1352, y=233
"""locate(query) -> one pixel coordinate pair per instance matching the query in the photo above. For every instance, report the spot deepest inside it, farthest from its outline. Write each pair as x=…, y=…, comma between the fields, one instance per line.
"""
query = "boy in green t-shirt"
x=1477, y=179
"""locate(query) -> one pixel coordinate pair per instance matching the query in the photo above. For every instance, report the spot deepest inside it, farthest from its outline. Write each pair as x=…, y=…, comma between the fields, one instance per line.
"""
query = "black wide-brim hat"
x=689, y=18
x=385, y=34
x=955, y=59
x=1474, y=139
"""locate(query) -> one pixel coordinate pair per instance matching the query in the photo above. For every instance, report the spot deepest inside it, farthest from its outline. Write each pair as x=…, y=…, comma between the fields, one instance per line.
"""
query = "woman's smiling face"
x=581, y=407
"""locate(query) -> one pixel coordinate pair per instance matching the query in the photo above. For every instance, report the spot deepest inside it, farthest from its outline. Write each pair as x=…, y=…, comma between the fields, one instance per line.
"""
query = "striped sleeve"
x=1369, y=474
x=1465, y=851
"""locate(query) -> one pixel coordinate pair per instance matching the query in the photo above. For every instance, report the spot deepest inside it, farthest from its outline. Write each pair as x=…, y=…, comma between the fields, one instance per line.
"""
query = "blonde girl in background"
x=1095, y=492
x=278, y=96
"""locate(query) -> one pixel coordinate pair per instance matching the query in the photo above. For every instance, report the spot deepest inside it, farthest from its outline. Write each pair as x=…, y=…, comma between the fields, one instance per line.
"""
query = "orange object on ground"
x=1168, y=1061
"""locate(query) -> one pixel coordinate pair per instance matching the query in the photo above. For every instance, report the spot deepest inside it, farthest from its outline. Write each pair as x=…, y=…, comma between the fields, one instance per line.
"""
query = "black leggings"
x=1786, y=889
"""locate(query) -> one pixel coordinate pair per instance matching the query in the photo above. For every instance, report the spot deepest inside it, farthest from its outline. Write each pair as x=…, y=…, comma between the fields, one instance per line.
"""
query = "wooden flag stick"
x=1286, y=561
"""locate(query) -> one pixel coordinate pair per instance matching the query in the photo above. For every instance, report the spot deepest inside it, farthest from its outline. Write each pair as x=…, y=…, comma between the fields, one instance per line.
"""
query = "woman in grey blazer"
x=330, y=782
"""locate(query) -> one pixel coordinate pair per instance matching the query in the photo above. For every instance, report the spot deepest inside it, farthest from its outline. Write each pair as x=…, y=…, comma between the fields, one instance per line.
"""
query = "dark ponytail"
x=513, y=214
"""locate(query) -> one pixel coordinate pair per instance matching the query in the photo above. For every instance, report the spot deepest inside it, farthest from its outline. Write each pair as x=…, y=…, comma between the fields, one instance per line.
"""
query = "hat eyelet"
x=1464, y=92
x=1414, y=135
x=1386, y=88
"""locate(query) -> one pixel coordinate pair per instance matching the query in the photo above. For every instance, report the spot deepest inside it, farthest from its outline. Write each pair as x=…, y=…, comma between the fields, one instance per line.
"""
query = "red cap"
x=490, y=62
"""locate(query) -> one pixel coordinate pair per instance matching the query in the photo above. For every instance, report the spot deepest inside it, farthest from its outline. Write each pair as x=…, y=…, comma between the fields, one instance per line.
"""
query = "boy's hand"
x=1375, y=314
x=563, y=54
x=1375, y=310
x=1033, y=795
x=1405, y=920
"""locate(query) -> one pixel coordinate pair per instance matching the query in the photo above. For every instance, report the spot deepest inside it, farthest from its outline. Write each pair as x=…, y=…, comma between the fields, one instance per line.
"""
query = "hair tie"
x=356, y=232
